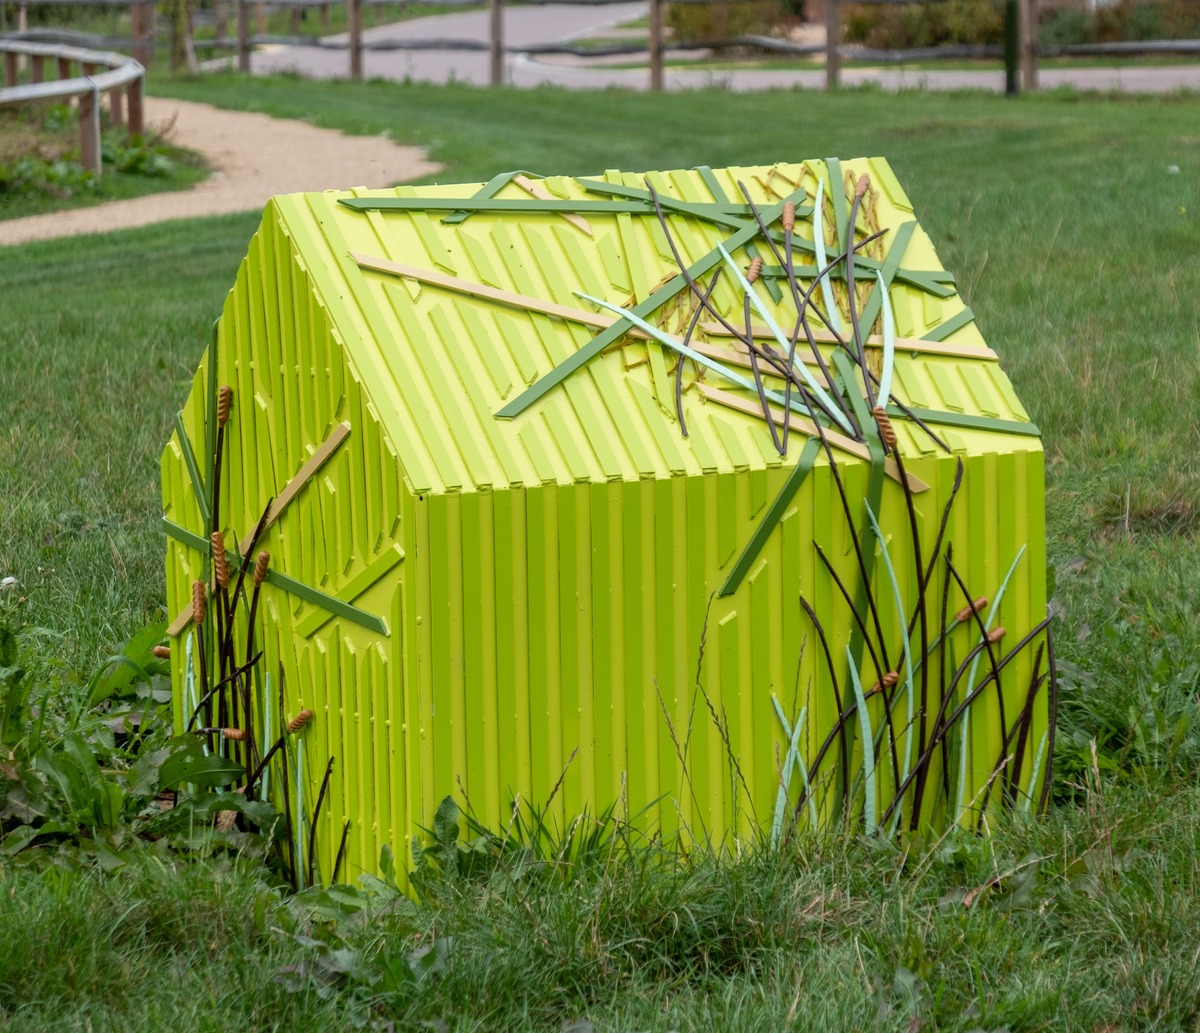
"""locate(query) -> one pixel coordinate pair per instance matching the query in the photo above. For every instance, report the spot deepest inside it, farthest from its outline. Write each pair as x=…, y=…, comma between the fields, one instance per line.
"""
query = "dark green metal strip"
x=613, y=333
x=891, y=264
x=836, y=186
x=771, y=518
x=287, y=584
x=968, y=421
x=930, y=282
x=710, y=212
x=489, y=189
x=721, y=210
x=718, y=195
x=944, y=330
x=530, y=206
x=327, y=602
x=189, y=460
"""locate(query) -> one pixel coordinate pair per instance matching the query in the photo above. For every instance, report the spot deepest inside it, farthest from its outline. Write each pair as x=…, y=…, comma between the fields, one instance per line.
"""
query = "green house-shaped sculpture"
x=540, y=530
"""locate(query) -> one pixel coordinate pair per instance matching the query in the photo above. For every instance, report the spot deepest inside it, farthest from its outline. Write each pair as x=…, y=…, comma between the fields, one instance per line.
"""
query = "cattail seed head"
x=886, y=430
x=755, y=269
x=162, y=652
x=198, y=602
x=996, y=634
x=220, y=563
x=860, y=187
x=236, y=734
x=788, y=219
x=299, y=721
x=886, y=682
x=260, y=567
x=224, y=401
x=965, y=613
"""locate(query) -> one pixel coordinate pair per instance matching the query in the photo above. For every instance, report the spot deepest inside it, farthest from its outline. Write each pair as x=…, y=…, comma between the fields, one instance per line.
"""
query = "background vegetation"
x=1071, y=222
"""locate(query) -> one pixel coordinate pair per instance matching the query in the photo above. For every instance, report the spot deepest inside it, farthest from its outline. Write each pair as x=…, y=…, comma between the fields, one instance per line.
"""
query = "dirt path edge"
x=252, y=157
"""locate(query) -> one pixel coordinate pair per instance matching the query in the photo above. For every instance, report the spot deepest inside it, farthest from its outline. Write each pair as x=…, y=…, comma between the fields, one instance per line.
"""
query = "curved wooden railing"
x=119, y=76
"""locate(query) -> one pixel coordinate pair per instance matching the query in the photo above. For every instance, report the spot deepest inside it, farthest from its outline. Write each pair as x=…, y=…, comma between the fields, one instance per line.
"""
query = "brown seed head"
x=162, y=652
x=260, y=567
x=755, y=269
x=965, y=613
x=236, y=734
x=224, y=401
x=887, y=682
x=198, y=602
x=886, y=430
x=788, y=219
x=860, y=187
x=996, y=634
x=299, y=721
x=220, y=563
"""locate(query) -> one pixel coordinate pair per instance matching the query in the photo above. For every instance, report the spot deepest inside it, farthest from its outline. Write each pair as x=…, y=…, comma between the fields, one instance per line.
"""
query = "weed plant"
x=40, y=168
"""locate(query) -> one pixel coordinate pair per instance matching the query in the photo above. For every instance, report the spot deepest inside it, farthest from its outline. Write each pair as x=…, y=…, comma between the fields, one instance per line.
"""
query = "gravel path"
x=253, y=157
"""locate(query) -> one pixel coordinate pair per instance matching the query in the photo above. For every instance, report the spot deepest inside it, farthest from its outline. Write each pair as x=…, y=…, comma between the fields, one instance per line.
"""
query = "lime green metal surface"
x=549, y=581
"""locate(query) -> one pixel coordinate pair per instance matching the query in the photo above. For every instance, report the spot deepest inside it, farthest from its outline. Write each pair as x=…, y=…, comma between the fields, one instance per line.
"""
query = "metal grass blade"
x=889, y=342
x=785, y=343
x=1036, y=772
x=965, y=727
x=822, y=261
x=868, y=739
x=792, y=759
x=908, y=682
x=268, y=734
x=799, y=405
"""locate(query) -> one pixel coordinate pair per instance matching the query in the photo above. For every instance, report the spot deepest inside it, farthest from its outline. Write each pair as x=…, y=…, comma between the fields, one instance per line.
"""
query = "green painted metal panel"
x=549, y=585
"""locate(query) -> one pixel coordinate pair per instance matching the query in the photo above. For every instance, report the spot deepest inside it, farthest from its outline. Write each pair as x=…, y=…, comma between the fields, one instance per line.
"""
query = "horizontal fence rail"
x=222, y=12
x=122, y=80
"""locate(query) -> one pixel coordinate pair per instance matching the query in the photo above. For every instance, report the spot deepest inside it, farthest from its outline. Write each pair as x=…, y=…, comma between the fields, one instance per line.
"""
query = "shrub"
x=903, y=27
x=723, y=20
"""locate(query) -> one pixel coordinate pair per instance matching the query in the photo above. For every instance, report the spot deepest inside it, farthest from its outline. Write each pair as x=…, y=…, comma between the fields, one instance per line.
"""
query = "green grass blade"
x=965, y=727
x=784, y=343
x=889, y=342
x=868, y=739
x=1035, y=774
x=831, y=311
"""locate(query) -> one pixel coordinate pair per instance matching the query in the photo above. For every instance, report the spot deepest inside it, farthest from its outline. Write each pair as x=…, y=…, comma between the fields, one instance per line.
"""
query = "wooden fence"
x=1020, y=52
x=121, y=79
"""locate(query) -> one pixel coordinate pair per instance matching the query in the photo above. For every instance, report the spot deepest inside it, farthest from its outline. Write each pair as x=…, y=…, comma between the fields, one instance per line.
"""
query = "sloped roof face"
x=472, y=314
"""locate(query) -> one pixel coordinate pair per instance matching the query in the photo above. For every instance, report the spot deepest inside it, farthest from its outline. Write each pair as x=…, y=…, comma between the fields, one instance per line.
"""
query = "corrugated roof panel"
x=445, y=355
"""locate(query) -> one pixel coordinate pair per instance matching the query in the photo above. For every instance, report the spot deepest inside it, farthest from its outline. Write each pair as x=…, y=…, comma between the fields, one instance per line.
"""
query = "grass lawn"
x=1076, y=247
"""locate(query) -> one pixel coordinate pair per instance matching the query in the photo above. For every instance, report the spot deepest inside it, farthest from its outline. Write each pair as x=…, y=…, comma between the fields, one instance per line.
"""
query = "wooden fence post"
x=496, y=24
x=116, y=106
x=10, y=69
x=243, y=33
x=22, y=26
x=354, y=14
x=656, y=44
x=137, y=122
x=1029, y=44
x=833, y=36
x=220, y=19
x=37, y=68
x=89, y=129
x=140, y=26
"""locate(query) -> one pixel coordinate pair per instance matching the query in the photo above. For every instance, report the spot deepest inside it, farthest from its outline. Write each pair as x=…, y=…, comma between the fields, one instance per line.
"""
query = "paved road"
x=555, y=22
